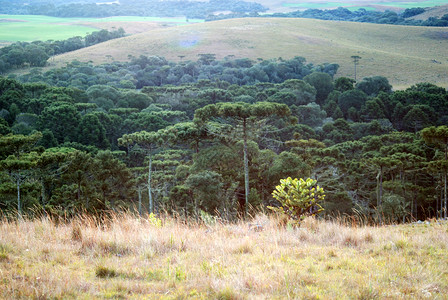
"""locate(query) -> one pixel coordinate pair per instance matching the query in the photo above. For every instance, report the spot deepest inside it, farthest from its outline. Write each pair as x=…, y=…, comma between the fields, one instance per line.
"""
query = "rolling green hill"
x=404, y=54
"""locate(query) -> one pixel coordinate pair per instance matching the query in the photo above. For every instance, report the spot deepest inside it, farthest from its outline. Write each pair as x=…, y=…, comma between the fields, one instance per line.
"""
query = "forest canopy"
x=127, y=135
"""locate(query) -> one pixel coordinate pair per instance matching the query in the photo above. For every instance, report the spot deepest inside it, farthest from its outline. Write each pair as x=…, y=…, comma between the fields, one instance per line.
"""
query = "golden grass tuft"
x=129, y=257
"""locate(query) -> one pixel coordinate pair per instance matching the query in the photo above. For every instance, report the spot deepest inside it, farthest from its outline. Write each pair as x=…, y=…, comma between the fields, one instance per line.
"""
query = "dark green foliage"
x=345, y=14
x=351, y=98
x=343, y=84
x=62, y=119
x=372, y=86
x=232, y=154
x=92, y=132
x=90, y=9
x=322, y=82
x=207, y=189
x=157, y=71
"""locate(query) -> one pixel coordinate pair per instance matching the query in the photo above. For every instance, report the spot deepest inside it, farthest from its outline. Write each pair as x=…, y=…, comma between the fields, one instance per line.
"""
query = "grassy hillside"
x=437, y=11
x=406, y=55
x=131, y=258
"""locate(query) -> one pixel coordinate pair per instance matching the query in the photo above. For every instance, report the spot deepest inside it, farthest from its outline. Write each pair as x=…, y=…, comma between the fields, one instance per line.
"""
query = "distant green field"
x=28, y=28
x=33, y=28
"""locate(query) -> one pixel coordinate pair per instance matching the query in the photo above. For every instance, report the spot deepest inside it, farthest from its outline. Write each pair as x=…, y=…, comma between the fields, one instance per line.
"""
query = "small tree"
x=299, y=198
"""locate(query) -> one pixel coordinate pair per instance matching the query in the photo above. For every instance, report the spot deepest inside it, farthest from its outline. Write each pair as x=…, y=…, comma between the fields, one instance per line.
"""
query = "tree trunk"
x=380, y=196
x=444, y=210
x=139, y=201
x=19, y=205
x=42, y=194
x=246, y=170
x=151, y=202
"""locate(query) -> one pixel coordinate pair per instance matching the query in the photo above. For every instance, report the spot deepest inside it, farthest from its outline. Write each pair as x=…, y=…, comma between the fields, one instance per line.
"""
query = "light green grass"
x=29, y=28
x=411, y=4
x=403, y=54
x=33, y=28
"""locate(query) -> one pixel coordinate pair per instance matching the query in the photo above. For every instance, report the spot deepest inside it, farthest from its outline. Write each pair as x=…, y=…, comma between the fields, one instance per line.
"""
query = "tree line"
x=152, y=8
x=36, y=54
x=143, y=71
x=221, y=147
x=343, y=14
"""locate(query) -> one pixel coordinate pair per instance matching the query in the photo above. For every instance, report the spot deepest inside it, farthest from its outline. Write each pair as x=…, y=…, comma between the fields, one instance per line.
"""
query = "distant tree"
x=92, y=132
x=352, y=98
x=372, y=86
x=356, y=59
x=62, y=119
x=243, y=113
x=322, y=82
x=344, y=84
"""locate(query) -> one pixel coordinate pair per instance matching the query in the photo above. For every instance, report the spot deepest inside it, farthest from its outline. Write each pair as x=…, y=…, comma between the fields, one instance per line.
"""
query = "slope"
x=404, y=54
x=436, y=11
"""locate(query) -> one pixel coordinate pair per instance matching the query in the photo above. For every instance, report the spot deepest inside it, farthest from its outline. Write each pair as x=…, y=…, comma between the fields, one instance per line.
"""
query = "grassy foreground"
x=134, y=258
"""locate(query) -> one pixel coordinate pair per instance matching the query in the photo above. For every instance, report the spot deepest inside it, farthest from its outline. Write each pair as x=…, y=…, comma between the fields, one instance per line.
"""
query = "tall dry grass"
x=128, y=257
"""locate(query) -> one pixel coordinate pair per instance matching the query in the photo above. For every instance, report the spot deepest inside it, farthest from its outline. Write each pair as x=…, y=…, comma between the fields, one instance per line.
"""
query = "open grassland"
x=27, y=28
x=15, y=28
x=128, y=257
x=404, y=54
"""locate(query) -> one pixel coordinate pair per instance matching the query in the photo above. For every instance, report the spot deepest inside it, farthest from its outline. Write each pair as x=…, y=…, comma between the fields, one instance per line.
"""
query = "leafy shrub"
x=299, y=198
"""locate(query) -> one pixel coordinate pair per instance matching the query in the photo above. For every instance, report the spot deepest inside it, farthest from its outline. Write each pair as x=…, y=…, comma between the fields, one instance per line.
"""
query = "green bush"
x=299, y=198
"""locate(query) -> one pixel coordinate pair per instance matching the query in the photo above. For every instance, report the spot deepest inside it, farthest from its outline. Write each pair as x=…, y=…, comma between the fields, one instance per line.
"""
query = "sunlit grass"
x=128, y=257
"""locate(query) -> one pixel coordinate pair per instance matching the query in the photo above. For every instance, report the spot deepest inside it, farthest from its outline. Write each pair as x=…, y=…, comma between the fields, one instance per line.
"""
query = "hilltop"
x=404, y=54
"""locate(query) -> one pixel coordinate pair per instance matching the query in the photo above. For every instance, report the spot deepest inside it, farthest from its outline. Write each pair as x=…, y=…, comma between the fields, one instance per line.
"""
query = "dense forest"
x=343, y=14
x=177, y=137
x=152, y=8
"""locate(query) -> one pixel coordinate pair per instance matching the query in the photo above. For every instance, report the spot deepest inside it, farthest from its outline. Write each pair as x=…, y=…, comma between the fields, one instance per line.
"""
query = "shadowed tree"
x=149, y=141
x=17, y=160
x=242, y=113
x=438, y=136
x=322, y=82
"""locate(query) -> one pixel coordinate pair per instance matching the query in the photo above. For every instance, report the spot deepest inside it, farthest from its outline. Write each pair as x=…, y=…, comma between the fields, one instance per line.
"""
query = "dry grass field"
x=136, y=258
x=404, y=54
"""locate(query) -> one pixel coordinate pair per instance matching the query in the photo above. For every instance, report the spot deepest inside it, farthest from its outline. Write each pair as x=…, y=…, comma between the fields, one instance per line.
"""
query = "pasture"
x=129, y=257
x=28, y=28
